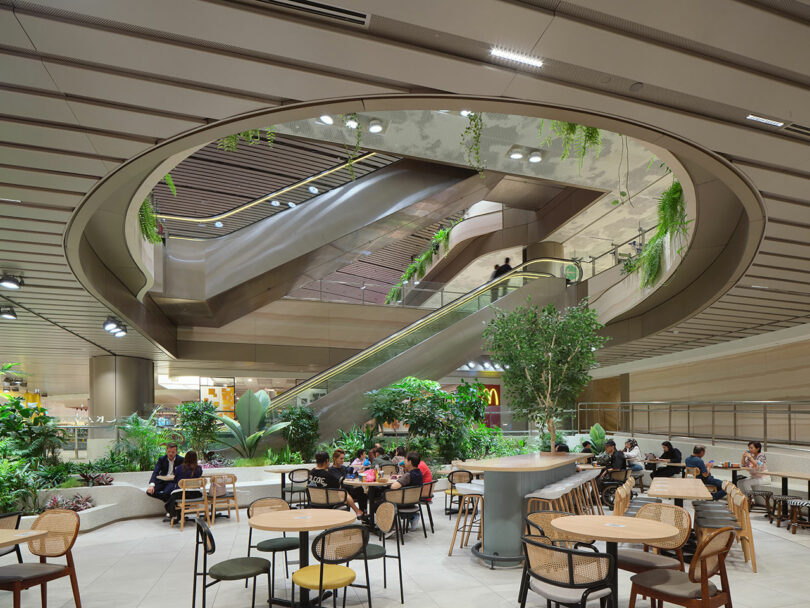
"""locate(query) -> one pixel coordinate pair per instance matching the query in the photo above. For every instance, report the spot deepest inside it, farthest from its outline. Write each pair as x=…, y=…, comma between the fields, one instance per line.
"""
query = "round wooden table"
x=359, y=483
x=302, y=521
x=614, y=530
x=283, y=469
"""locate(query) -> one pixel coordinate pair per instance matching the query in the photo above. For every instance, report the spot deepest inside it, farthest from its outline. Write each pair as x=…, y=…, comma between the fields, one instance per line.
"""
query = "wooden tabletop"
x=663, y=462
x=614, y=529
x=286, y=468
x=805, y=476
x=674, y=487
x=544, y=461
x=302, y=520
x=460, y=467
x=360, y=483
x=9, y=538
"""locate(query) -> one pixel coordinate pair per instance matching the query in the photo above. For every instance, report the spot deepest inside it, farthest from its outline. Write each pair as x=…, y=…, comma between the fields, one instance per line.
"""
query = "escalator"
x=430, y=348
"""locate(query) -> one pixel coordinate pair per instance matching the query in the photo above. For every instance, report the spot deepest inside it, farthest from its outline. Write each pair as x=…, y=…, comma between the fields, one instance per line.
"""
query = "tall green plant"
x=546, y=355
x=141, y=440
x=197, y=424
x=597, y=434
x=30, y=433
x=302, y=432
x=250, y=426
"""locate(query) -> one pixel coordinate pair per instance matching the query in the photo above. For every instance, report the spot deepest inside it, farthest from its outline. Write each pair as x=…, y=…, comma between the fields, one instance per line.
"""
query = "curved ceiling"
x=86, y=88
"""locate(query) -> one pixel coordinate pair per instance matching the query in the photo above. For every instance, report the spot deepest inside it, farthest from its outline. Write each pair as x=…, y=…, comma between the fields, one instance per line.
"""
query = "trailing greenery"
x=546, y=355
x=673, y=224
x=353, y=152
x=230, y=143
x=250, y=426
x=471, y=141
x=199, y=427
x=302, y=433
x=147, y=220
x=417, y=269
x=577, y=139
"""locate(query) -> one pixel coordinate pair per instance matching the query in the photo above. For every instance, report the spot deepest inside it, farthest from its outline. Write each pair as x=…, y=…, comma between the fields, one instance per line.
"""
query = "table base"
x=505, y=561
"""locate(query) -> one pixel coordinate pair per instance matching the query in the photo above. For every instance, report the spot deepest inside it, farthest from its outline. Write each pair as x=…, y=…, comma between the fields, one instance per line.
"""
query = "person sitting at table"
x=670, y=454
x=632, y=453
x=616, y=463
x=756, y=463
x=159, y=488
x=587, y=447
x=695, y=461
x=190, y=469
x=360, y=461
x=561, y=447
x=411, y=477
x=324, y=477
x=380, y=458
x=427, y=475
x=399, y=455
x=341, y=471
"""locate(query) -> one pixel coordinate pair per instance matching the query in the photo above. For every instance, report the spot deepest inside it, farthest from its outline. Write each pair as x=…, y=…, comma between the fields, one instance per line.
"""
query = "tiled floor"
x=142, y=563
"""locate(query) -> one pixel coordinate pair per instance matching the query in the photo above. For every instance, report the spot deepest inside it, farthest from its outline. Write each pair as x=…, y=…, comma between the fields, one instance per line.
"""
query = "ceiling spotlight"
x=471, y=364
x=10, y=282
x=275, y=203
x=313, y=190
x=465, y=113
x=218, y=224
x=111, y=324
x=535, y=156
x=352, y=123
x=515, y=153
x=519, y=57
x=767, y=121
x=326, y=119
x=7, y=312
x=291, y=204
x=375, y=126
x=487, y=365
x=120, y=332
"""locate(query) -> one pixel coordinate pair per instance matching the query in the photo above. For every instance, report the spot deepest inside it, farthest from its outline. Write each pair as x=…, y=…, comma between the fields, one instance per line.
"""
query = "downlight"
x=515, y=153
x=11, y=282
x=313, y=190
x=275, y=203
x=326, y=119
x=535, y=156
x=115, y=326
x=375, y=126
x=7, y=312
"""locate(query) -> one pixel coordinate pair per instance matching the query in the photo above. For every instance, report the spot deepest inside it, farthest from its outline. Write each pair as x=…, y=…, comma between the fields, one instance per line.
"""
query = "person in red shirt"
x=427, y=476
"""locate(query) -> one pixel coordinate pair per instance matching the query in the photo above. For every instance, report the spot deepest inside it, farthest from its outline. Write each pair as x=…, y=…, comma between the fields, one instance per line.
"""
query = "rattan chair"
x=235, y=569
x=460, y=476
x=333, y=548
x=62, y=527
x=428, y=491
x=692, y=589
x=636, y=560
x=272, y=545
x=11, y=521
x=226, y=501
x=299, y=480
x=387, y=470
x=538, y=523
x=695, y=472
x=188, y=505
x=408, y=503
x=567, y=577
x=387, y=520
x=326, y=498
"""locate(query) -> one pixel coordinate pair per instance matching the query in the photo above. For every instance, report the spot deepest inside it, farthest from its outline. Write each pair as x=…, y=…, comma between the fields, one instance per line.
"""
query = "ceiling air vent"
x=798, y=129
x=319, y=9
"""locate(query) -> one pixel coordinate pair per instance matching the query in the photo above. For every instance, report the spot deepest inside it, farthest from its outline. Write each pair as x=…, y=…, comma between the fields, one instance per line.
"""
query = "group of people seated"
x=170, y=470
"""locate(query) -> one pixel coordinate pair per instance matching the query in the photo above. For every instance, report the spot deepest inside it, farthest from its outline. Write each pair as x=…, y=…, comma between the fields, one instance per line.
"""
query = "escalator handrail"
x=516, y=272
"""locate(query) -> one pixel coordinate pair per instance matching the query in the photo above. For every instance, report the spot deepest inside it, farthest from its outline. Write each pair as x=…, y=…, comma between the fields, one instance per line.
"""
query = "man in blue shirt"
x=704, y=470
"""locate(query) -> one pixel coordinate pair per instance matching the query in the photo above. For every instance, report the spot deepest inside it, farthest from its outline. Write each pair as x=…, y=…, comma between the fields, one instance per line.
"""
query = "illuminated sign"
x=493, y=394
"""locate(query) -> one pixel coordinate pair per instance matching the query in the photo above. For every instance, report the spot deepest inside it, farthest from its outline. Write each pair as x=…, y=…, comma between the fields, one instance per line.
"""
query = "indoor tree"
x=546, y=355
x=197, y=424
x=302, y=433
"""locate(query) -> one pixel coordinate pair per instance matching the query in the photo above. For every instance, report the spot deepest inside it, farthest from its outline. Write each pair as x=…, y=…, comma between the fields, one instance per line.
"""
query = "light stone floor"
x=142, y=563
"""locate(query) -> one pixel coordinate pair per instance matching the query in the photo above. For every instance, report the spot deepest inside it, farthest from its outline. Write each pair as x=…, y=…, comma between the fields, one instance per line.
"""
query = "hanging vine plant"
x=147, y=220
x=577, y=139
x=251, y=137
x=471, y=141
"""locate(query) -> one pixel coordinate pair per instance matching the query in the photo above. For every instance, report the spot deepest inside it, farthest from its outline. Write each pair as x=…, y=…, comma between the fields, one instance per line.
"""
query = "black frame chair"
x=407, y=506
x=569, y=553
x=205, y=539
x=387, y=520
x=327, y=498
x=3, y=524
x=273, y=545
x=318, y=553
x=454, y=477
x=428, y=492
x=297, y=485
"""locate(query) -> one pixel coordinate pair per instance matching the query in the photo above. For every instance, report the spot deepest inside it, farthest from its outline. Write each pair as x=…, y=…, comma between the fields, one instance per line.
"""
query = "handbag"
x=217, y=489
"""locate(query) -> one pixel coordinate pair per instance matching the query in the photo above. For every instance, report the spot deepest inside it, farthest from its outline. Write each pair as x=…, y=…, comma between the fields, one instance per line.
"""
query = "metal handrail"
x=775, y=421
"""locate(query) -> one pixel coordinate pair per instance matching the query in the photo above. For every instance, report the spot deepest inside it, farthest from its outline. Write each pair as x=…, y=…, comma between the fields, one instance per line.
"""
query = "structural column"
x=545, y=249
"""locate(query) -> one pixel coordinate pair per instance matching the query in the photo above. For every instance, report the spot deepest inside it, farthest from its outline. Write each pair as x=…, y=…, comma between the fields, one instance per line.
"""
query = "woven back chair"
x=223, y=500
x=560, y=570
x=190, y=505
x=63, y=528
x=272, y=545
x=674, y=516
x=11, y=521
x=326, y=498
x=539, y=524
x=460, y=476
x=389, y=469
x=408, y=501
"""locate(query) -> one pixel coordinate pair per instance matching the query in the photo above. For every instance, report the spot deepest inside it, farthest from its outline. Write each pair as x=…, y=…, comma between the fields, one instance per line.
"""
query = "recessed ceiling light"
x=275, y=203
x=767, y=121
x=11, y=282
x=375, y=126
x=465, y=113
x=535, y=156
x=471, y=364
x=519, y=57
x=352, y=123
x=291, y=204
x=313, y=190
x=362, y=288
x=7, y=312
x=416, y=282
x=218, y=224
x=326, y=119
x=121, y=332
x=758, y=287
x=515, y=153
x=487, y=365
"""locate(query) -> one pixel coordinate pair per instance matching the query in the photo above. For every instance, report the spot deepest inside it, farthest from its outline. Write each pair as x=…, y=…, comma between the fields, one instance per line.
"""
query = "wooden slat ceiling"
x=214, y=181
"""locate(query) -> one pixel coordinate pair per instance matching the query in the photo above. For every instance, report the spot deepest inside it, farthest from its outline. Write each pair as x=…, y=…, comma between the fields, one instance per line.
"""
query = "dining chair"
x=428, y=491
x=189, y=505
x=235, y=569
x=387, y=521
x=221, y=496
x=326, y=498
x=691, y=589
x=62, y=527
x=408, y=503
x=460, y=476
x=299, y=480
x=387, y=470
x=11, y=521
x=637, y=560
x=331, y=549
x=272, y=545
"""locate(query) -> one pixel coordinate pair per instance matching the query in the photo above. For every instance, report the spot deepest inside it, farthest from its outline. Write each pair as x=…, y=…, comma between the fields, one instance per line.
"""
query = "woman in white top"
x=756, y=464
x=632, y=454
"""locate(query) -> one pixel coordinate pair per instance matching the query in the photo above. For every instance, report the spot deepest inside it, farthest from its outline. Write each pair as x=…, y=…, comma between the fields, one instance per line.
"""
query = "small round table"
x=302, y=521
x=614, y=530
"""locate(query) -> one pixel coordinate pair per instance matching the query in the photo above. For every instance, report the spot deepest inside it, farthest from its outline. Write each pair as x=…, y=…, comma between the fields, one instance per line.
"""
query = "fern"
x=148, y=222
x=577, y=139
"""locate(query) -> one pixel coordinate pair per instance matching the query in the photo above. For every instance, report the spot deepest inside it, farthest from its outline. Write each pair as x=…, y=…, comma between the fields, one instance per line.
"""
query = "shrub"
x=54, y=475
x=196, y=420
x=284, y=456
x=77, y=503
x=141, y=441
x=18, y=487
x=256, y=461
x=302, y=433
